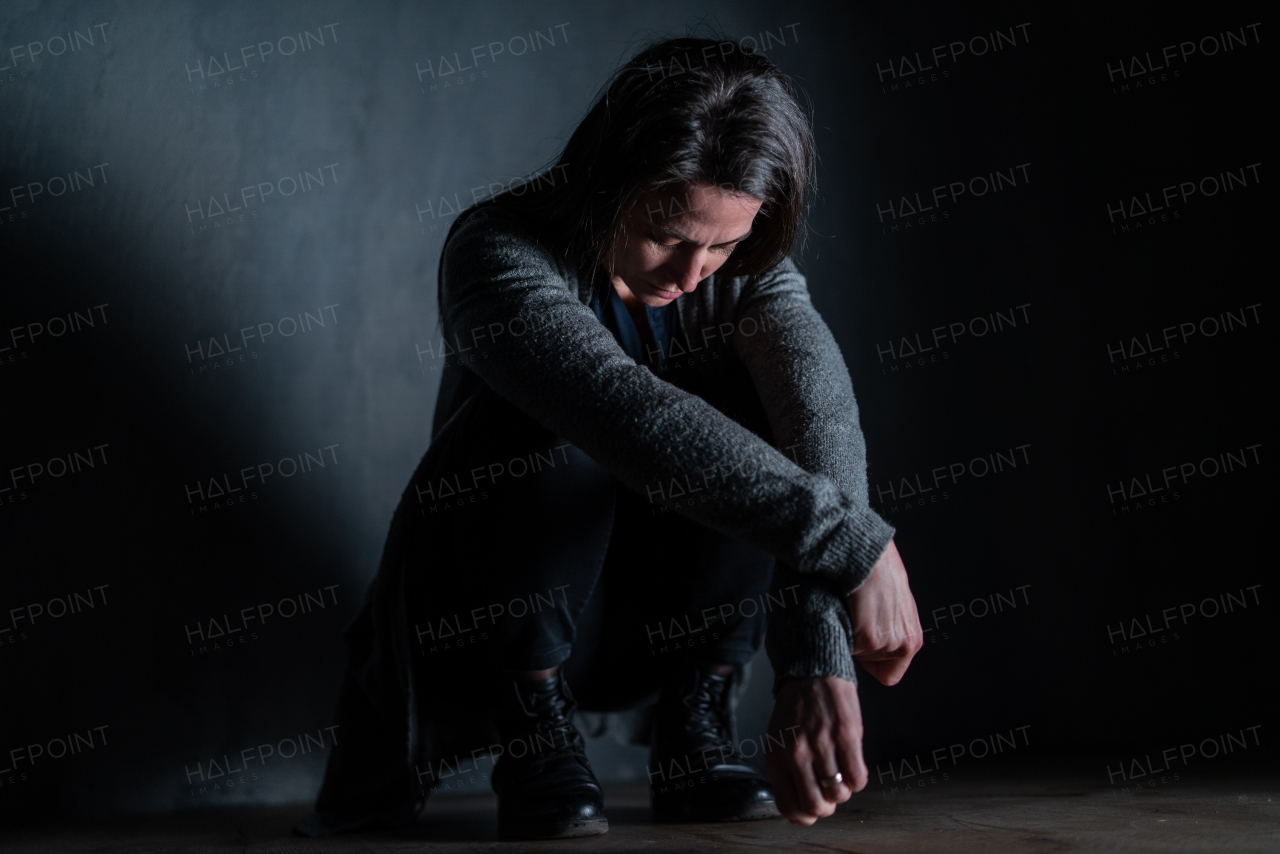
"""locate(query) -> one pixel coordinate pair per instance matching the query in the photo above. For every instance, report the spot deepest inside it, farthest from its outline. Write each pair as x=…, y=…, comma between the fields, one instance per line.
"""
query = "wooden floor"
x=985, y=818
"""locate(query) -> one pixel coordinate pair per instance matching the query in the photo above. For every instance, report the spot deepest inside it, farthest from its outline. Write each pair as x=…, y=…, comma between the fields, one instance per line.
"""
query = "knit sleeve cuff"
x=812, y=635
x=854, y=548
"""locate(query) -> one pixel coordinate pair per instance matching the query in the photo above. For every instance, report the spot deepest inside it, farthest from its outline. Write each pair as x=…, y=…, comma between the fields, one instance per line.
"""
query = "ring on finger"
x=831, y=782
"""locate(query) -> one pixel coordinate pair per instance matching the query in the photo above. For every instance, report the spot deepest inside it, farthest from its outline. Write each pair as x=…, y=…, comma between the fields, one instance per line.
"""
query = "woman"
x=645, y=441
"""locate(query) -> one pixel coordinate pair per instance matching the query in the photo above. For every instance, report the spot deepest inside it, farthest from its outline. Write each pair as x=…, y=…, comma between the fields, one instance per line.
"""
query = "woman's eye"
x=727, y=249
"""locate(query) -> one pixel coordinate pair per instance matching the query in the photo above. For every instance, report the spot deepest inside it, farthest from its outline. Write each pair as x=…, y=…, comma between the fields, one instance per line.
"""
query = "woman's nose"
x=689, y=271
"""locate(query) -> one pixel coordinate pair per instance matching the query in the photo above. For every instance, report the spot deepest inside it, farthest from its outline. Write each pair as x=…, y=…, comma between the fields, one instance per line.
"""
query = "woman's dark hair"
x=681, y=112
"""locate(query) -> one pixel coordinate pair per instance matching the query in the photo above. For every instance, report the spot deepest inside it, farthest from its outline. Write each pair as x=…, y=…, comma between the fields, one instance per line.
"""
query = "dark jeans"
x=542, y=558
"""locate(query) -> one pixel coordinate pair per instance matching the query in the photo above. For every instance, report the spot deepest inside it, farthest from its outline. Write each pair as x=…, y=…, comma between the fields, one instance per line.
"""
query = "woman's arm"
x=547, y=354
x=821, y=709
x=803, y=384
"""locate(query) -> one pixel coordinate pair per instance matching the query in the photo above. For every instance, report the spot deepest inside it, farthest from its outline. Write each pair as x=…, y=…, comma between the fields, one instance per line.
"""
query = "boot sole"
x=555, y=829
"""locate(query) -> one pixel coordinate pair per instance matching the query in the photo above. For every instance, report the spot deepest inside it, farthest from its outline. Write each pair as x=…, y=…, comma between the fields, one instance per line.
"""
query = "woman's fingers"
x=846, y=740
x=834, y=789
x=888, y=671
x=784, y=790
x=848, y=750
x=824, y=714
x=787, y=791
x=823, y=740
x=812, y=800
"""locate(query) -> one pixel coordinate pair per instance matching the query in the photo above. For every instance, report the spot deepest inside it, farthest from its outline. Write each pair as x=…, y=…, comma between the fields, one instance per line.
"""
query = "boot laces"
x=554, y=723
x=709, y=721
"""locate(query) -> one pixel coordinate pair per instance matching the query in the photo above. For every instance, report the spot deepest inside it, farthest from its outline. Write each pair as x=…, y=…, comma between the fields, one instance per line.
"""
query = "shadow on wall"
x=189, y=612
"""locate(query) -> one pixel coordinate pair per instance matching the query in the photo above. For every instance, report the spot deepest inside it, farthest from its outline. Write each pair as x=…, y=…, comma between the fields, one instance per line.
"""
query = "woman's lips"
x=665, y=294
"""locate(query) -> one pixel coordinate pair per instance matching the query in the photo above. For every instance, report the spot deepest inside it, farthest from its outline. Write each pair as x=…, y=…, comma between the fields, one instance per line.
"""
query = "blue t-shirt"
x=662, y=321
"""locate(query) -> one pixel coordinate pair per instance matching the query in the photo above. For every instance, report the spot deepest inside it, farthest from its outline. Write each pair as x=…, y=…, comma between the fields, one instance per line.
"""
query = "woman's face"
x=672, y=241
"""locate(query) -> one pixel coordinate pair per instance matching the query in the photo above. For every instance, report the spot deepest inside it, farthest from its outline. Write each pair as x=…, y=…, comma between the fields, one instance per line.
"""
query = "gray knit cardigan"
x=752, y=430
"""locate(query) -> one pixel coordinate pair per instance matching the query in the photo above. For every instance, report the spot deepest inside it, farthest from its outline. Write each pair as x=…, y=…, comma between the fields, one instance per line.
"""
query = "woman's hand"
x=886, y=627
x=823, y=711
x=823, y=714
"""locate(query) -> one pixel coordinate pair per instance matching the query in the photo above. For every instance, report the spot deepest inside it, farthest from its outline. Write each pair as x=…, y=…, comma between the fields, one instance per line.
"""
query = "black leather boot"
x=545, y=786
x=695, y=771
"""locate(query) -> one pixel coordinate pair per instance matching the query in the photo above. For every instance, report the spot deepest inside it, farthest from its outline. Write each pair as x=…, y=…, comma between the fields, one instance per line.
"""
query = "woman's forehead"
x=697, y=204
